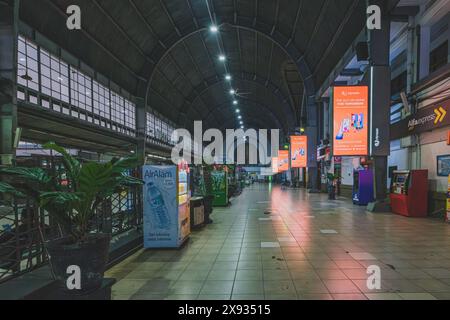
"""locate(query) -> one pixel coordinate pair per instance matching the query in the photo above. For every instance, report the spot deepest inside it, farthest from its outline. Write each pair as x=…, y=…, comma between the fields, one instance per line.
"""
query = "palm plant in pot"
x=74, y=207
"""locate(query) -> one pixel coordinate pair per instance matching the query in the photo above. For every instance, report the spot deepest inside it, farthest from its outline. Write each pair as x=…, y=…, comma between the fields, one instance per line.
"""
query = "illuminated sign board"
x=350, y=121
x=299, y=151
x=283, y=160
x=275, y=165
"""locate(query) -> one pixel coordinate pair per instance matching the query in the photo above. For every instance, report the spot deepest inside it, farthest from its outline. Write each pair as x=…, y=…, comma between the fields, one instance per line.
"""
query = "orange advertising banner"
x=275, y=165
x=350, y=121
x=283, y=160
x=299, y=151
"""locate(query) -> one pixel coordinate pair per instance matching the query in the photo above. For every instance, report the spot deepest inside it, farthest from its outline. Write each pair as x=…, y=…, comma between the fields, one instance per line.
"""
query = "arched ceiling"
x=277, y=50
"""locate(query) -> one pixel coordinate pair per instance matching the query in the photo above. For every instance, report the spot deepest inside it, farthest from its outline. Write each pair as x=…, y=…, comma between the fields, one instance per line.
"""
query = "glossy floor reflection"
x=288, y=244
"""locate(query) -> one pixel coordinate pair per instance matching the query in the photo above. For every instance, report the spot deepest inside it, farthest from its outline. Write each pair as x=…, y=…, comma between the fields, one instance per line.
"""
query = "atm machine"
x=363, y=186
x=409, y=193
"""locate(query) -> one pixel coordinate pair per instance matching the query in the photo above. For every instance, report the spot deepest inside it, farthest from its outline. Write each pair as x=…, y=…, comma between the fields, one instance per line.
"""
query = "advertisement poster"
x=160, y=206
x=299, y=151
x=275, y=165
x=283, y=160
x=219, y=188
x=350, y=121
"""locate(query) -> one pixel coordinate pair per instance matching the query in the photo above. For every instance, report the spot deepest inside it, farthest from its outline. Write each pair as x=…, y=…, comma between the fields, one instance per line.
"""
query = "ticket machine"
x=363, y=186
x=409, y=193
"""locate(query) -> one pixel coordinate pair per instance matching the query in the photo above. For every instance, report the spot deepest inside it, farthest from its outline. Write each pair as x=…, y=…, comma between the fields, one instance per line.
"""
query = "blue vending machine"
x=363, y=186
x=166, y=206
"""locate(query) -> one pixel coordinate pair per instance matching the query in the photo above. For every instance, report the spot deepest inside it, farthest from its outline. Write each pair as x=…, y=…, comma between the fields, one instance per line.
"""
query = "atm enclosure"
x=409, y=193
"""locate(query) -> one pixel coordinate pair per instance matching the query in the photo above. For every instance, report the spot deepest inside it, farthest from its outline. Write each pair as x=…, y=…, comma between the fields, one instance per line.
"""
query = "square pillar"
x=8, y=73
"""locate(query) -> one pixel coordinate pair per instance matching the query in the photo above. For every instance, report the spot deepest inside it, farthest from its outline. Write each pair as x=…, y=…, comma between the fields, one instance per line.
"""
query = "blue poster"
x=160, y=206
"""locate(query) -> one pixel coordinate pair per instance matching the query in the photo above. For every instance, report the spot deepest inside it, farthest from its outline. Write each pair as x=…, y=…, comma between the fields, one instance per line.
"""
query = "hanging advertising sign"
x=350, y=120
x=299, y=151
x=275, y=165
x=160, y=206
x=425, y=119
x=283, y=160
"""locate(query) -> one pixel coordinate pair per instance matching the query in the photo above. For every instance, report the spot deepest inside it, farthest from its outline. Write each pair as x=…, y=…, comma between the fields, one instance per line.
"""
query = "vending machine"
x=409, y=193
x=166, y=206
x=219, y=180
x=363, y=186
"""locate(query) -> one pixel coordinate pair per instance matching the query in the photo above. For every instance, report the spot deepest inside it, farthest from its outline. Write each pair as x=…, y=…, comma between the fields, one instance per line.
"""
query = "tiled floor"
x=241, y=256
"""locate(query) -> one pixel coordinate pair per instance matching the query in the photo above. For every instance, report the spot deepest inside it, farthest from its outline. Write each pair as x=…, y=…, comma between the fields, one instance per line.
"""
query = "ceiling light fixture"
x=235, y=102
x=213, y=28
x=228, y=77
x=232, y=91
x=222, y=57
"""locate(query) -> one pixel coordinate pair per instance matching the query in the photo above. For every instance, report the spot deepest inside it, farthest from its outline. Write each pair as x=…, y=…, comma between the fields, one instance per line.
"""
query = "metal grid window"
x=130, y=115
x=80, y=91
x=150, y=129
x=159, y=129
x=54, y=76
x=86, y=99
x=102, y=103
x=158, y=132
x=28, y=66
x=117, y=111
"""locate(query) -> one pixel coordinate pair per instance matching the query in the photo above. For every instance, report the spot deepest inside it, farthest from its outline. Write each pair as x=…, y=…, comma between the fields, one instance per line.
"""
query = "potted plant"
x=73, y=206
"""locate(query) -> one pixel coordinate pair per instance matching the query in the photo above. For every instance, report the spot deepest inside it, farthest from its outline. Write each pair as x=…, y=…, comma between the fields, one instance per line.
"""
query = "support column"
x=311, y=131
x=380, y=100
x=8, y=73
x=141, y=124
x=424, y=51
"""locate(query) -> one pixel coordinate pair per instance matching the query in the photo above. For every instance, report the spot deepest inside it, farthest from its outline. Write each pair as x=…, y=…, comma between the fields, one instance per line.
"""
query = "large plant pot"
x=91, y=257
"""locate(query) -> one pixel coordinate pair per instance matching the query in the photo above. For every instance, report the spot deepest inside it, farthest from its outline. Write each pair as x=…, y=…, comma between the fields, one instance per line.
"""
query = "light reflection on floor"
x=225, y=260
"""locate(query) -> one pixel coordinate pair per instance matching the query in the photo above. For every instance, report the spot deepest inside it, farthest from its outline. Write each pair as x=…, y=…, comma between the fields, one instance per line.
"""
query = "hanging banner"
x=283, y=160
x=275, y=165
x=350, y=120
x=299, y=151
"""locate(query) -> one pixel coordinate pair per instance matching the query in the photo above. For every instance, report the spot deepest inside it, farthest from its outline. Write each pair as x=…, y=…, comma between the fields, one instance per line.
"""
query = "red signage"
x=350, y=121
x=299, y=151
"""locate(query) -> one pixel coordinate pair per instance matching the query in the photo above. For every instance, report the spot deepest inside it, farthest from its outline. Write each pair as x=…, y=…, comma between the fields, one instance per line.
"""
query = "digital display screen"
x=299, y=151
x=350, y=121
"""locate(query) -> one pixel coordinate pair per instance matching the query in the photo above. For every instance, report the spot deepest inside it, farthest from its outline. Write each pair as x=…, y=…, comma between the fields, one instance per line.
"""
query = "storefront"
x=420, y=141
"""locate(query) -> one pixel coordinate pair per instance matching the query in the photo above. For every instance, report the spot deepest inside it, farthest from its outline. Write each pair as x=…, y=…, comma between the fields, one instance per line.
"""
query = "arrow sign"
x=425, y=119
x=443, y=112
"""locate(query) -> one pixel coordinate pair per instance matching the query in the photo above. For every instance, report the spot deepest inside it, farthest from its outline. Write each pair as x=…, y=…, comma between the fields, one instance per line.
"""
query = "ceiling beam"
x=349, y=13
x=123, y=32
x=149, y=27
x=94, y=40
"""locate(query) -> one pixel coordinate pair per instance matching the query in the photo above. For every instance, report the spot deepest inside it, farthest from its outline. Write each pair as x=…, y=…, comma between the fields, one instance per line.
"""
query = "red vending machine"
x=409, y=193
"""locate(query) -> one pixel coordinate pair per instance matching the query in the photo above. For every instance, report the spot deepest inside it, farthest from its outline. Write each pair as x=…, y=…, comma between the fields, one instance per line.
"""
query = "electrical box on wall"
x=408, y=142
